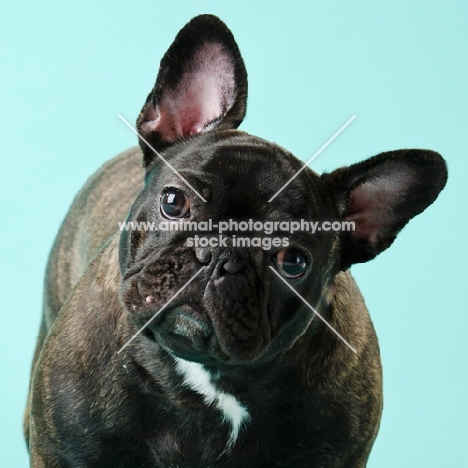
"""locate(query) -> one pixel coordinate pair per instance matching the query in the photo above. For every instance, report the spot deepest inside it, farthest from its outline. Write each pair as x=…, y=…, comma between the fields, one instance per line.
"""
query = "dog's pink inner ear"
x=373, y=207
x=203, y=95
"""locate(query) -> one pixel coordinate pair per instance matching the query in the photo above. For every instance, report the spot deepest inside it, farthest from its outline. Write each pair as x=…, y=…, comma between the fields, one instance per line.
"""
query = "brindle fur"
x=311, y=400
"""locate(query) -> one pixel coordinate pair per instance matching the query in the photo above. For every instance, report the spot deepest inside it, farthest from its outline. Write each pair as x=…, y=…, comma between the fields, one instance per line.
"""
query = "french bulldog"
x=157, y=352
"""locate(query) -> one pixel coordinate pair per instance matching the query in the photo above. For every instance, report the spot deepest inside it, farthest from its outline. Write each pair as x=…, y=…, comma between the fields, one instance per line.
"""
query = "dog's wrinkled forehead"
x=238, y=174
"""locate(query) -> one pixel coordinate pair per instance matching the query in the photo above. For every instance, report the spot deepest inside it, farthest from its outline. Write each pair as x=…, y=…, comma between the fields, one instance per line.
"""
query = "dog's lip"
x=188, y=311
x=185, y=330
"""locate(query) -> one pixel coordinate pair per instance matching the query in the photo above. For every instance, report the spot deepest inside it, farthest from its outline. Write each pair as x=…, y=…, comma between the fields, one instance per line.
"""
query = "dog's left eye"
x=174, y=204
x=291, y=263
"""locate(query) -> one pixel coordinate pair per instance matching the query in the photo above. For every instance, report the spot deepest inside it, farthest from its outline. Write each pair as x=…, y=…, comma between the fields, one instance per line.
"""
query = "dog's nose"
x=227, y=261
x=231, y=263
x=203, y=254
x=224, y=261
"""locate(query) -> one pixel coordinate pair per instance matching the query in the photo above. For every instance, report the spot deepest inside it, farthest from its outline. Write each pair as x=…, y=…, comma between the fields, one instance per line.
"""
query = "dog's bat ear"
x=380, y=195
x=201, y=86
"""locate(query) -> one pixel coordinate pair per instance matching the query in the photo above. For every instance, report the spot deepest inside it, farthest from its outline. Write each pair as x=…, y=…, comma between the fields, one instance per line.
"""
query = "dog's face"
x=226, y=305
x=236, y=310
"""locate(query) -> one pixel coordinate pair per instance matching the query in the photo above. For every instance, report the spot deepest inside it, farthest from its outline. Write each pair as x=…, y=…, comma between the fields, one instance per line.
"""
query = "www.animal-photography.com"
x=233, y=234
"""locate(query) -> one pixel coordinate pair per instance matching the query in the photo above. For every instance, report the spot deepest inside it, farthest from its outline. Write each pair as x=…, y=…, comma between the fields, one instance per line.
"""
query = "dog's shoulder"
x=83, y=340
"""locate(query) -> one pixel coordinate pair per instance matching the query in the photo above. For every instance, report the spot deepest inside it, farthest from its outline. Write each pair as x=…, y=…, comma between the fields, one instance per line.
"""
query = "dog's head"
x=221, y=301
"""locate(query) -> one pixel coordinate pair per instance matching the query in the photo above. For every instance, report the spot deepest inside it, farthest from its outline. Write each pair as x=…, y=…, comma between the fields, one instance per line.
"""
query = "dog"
x=156, y=351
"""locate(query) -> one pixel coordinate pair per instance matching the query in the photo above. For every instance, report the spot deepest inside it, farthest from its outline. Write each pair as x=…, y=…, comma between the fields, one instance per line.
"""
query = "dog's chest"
x=232, y=412
x=203, y=426
x=213, y=428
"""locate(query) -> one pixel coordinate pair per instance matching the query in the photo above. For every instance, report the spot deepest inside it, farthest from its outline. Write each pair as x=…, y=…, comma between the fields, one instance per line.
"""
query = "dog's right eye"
x=174, y=204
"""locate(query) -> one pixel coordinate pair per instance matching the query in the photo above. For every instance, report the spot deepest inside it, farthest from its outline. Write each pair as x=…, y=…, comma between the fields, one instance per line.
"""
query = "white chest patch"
x=199, y=380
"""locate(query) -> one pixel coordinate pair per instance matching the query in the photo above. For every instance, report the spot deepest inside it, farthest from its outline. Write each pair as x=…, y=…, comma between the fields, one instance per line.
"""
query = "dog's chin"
x=186, y=332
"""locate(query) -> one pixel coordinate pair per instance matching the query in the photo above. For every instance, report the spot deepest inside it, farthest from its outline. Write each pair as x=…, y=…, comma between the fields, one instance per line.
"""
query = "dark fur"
x=312, y=402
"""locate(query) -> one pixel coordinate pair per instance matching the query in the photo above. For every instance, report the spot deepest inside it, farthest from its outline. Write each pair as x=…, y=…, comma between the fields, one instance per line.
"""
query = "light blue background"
x=68, y=69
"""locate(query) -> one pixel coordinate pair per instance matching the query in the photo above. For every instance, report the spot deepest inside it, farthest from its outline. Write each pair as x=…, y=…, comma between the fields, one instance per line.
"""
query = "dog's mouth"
x=206, y=333
x=187, y=321
x=221, y=315
x=187, y=332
